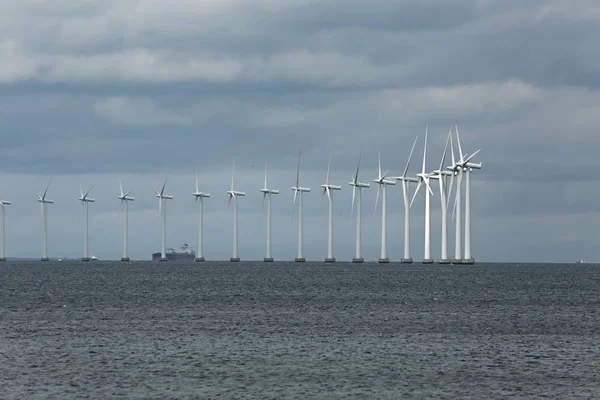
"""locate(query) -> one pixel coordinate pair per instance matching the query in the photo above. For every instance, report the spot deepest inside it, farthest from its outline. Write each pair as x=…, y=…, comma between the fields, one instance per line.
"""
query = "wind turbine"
x=199, y=198
x=3, y=203
x=464, y=165
x=357, y=188
x=442, y=176
x=382, y=187
x=85, y=201
x=44, y=208
x=327, y=188
x=406, y=180
x=162, y=209
x=267, y=195
x=125, y=198
x=298, y=189
x=233, y=194
x=424, y=178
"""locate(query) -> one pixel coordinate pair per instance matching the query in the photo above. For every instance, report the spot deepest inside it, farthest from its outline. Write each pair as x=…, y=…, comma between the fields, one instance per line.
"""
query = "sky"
x=96, y=91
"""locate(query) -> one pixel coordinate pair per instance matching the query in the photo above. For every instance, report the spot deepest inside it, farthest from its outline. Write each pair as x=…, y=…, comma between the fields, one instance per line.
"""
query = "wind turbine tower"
x=327, y=188
x=357, y=187
x=441, y=175
x=406, y=181
x=234, y=194
x=44, y=209
x=424, y=179
x=125, y=198
x=199, y=198
x=162, y=211
x=267, y=195
x=85, y=201
x=383, y=183
x=298, y=191
x=3, y=204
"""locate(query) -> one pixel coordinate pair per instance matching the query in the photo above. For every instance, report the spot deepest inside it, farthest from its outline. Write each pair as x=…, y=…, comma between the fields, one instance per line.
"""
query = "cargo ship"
x=180, y=254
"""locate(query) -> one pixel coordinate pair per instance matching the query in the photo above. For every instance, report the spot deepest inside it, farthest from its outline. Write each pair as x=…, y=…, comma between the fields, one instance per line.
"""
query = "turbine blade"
x=39, y=197
x=298, y=172
x=328, y=193
x=197, y=188
x=88, y=192
x=232, y=173
x=328, y=168
x=425, y=149
x=230, y=197
x=121, y=187
x=164, y=184
x=415, y=194
x=379, y=156
x=81, y=190
x=428, y=187
x=452, y=148
x=295, y=195
x=46, y=191
x=384, y=175
x=265, y=175
x=450, y=189
x=445, y=151
x=460, y=153
x=472, y=156
x=409, y=157
x=357, y=168
x=128, y=193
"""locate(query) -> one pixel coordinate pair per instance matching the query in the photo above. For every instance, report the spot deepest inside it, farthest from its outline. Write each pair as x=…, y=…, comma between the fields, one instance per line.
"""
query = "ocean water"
x=285, y=330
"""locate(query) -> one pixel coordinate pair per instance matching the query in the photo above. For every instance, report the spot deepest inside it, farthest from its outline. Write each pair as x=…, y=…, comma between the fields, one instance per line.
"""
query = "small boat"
x=582, y=261
x=93, y=258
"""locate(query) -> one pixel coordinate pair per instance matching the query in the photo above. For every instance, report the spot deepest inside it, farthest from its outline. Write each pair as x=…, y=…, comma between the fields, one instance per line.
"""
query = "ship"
x=183, y=253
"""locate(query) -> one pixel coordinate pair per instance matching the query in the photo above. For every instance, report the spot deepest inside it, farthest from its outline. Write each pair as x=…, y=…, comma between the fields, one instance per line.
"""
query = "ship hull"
x=174, y=257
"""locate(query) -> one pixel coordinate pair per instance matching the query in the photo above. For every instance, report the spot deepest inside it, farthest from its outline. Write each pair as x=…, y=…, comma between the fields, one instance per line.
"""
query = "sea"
x=220, y=330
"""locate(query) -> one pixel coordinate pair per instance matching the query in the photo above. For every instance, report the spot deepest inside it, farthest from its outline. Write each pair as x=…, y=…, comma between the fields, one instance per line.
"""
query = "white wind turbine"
x=383, y=183
x=233, y=194
x=441, y=175
x=44, y=209
x=125, y=198
x=3, y=204
x=327, y=188
x=357, y=188
x=424, y=178
x=406, y=181
x=85, y=201
x=463, y=165
x=267, y=195
x=298, y=189
x=162, y=211
x=199, y=198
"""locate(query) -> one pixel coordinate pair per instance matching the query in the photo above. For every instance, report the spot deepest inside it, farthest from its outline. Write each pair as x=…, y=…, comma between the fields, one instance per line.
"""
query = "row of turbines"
x=459, y=167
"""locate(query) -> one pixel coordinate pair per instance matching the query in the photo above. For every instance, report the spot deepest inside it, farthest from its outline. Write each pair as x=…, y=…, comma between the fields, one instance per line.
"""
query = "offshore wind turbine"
x=85, y=201
x=3, y=204
x=441, y=175
x=233, y=194
x=424, y=179
x=357, y=188
x=383, y=183
x=406, y=180
x=327, y=188
x=125, y=198
x=267, y=195
x=44, y=210
x=298, y=191
x=199, y=198
x=162, y=209
x=467, y=166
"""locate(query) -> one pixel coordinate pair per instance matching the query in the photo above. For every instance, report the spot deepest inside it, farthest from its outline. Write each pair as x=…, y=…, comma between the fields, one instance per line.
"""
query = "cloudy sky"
x=92, y=91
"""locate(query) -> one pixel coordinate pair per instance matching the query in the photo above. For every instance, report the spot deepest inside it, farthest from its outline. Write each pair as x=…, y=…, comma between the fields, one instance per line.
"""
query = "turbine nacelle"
x=87, y=199
x=270, y=191
x=331, y=187
x=300, y=189
x=383, y=181
x=164, y=196
x=200, y=194
x=235, y=193
x=41, y=200
x=5, y=203
x=126, y=198
x=359, y=184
